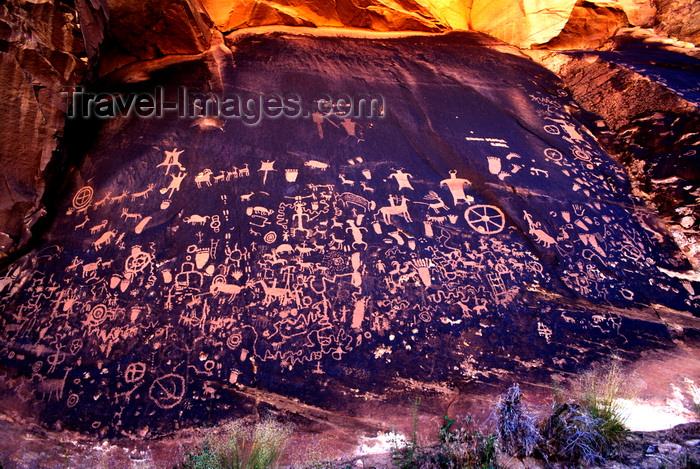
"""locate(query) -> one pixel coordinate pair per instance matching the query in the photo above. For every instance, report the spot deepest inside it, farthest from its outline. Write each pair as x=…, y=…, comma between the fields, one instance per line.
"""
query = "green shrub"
x=459, y=447
x=241, y=446
x=463, y=447
x=404, y=453
x=598, y=391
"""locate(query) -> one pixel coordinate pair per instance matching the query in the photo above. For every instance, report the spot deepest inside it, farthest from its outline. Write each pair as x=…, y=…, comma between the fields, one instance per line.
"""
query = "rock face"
x=146, y=30
x=653, y=111
x=472, y=233
x=679, y=19
x=521, y=23
x=589, y=26
x=45, y=47
x=368, y=14
x=41, y=50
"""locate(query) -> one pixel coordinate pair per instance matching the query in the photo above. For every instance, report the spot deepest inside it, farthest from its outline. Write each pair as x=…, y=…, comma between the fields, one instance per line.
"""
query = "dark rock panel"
x=473, y=233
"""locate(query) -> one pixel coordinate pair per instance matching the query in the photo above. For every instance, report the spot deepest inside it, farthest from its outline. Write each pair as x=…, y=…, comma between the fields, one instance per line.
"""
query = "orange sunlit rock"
x=521, y=23
x=386, y=15
x=589, y=26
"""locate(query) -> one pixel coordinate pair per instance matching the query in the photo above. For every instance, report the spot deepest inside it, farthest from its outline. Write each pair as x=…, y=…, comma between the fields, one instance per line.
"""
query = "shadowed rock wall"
x=41, y=49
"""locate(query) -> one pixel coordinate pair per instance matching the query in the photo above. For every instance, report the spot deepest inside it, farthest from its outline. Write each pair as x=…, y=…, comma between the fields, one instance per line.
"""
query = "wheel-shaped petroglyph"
x=486, y=219
x=167, y=391
x=553, y=154
x=83, y=198
x=134, y=372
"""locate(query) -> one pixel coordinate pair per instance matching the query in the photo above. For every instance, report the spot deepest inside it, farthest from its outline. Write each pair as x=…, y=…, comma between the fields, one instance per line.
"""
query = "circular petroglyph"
x=134, y=372
x=167, y=391
x=97, y=315
x=82, y=198
x=486, y=219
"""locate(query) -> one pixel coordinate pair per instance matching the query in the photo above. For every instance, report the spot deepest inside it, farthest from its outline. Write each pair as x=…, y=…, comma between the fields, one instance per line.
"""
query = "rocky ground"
x=31, y=446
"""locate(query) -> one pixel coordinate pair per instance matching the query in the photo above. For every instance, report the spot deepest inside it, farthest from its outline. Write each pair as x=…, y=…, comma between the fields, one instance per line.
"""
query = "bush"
x=405, y=452
x=598, y=391
x=464, y=447
x=572, y=434
x=241, y=446
x=517, y=433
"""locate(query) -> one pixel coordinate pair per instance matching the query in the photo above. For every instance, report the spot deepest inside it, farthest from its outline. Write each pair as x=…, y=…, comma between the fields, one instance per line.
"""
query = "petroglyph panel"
x=325, y=252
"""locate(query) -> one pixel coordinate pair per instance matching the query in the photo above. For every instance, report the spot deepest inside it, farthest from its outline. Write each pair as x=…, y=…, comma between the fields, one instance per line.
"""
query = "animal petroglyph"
x=392, y=209
x=203, y=178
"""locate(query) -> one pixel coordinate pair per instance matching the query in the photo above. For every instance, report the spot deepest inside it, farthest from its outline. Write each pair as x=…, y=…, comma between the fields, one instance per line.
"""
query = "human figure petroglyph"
x=356, y=232
x=172, y=159
x=350, y=127
x=456, y=186
x=175, y=182
x=402, y=179
x=392, y=209
x=318, y=119
x=266, y=167
x=68, y=298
